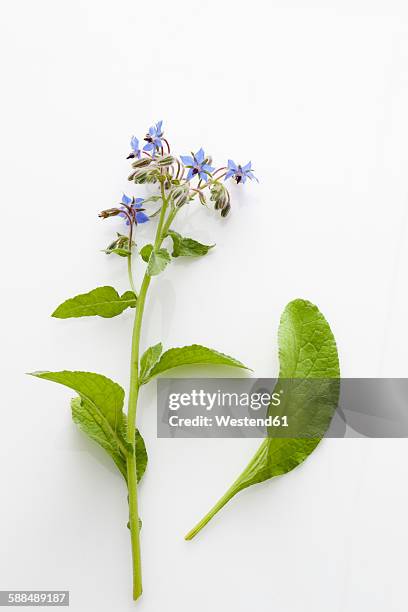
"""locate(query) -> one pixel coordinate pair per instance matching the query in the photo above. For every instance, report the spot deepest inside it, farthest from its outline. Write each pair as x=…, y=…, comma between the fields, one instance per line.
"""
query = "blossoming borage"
x=98, y=409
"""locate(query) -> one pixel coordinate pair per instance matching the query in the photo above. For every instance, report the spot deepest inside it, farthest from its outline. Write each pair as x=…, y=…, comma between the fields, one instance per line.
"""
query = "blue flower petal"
x=187, y=160
x=159, y=127
x=203, y=176
x=134, y=143
x=207, y=168
x=152, y=131
x=148, y=147
x=200, y=156
x=126, y=199
x=141, y=217
x=247, y=167
x=190, y=174
x=229, y=174
x=139, y=201
x=232, y=165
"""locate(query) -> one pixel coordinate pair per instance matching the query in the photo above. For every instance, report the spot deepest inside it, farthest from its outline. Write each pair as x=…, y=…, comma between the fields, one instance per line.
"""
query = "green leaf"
x=187, y=247
x=148, y=360
x=189, y=355
x=158, y=260
x=98, y=411
x=146, y=251
x=83, y=416
x=102, y=302
x=307, y=350
x=141, y=455
x=118, y=251
x=102, y=395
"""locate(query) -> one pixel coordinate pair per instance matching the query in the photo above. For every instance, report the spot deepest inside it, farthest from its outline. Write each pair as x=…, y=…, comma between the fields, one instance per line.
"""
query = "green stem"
x=131, y=430
x=169, y=221
x=130, y=274
x=216, y=508
x=132, y=408
x=249, y=476
x=159, y=236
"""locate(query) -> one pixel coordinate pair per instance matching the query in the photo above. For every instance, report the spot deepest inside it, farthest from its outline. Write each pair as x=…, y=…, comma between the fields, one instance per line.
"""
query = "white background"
x=316, y=94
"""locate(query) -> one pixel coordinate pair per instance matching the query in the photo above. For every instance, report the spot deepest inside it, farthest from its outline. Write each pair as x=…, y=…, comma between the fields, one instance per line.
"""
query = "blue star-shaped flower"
x=196, y=165
x=239, y=173
x=136, y=152
x=135, y=204
x=154, y=138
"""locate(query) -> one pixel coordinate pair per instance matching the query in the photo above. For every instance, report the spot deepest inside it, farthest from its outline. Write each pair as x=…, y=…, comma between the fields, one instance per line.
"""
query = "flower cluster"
x=152, y=164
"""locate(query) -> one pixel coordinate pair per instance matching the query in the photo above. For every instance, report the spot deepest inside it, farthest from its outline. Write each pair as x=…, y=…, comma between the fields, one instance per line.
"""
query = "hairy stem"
x=129, y=257
x=131, y=429
x=132, y=409
x=130, y=274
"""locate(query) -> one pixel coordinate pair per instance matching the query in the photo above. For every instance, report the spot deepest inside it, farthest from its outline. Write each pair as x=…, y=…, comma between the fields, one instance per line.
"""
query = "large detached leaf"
x=307, y=350
x=102, y=301
x=189, y=355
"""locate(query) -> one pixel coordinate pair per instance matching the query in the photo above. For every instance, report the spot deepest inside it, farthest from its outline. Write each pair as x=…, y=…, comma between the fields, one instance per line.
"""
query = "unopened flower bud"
x=138, y=176
x=179, y=195
x=165, y=161
x=142, y=162
x=109, y=212
x=225, y=211
x=152, y=176
x=219, y=195
x=144, y=176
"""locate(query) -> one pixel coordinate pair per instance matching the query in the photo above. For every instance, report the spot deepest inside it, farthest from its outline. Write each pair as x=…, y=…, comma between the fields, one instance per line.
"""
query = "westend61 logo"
x=220, y=407
x=199, y=401
x=207, y=400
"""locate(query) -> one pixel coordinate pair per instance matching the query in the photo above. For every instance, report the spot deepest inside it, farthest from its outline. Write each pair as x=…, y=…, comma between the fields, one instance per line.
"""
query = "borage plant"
x=98, y=409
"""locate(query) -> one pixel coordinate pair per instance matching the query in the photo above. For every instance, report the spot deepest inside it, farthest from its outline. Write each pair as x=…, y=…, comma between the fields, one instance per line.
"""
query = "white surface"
x=316, y=94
